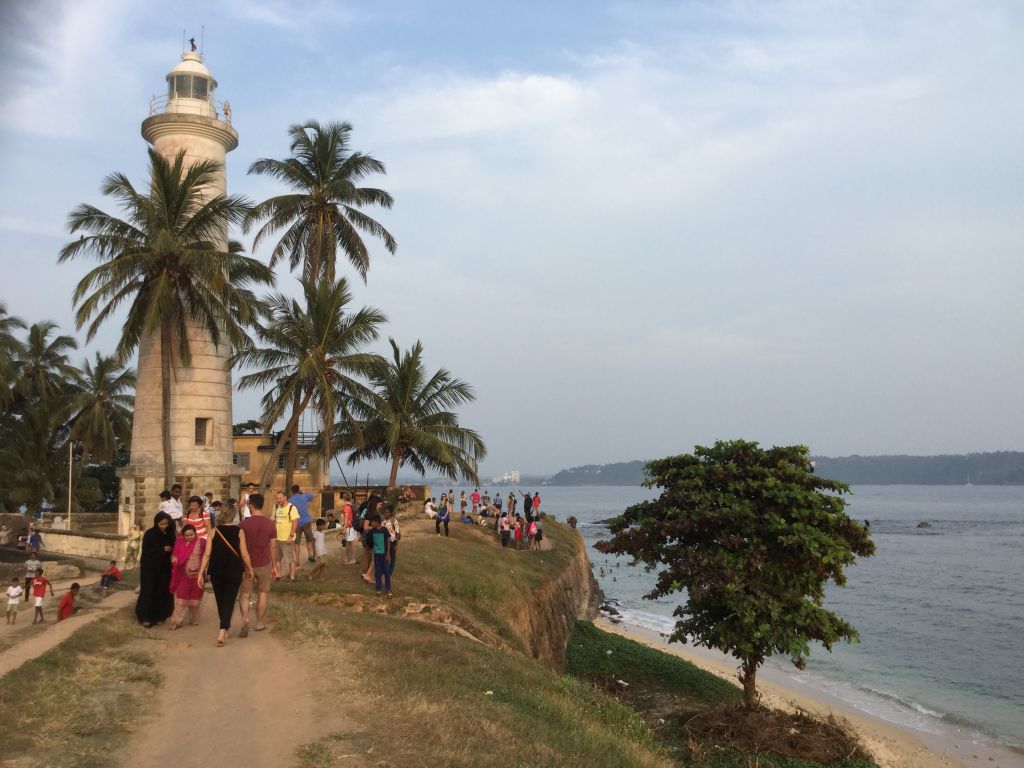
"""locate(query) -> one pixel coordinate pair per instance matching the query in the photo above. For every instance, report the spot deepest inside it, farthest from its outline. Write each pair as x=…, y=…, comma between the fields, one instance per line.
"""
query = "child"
x=381, y=544
x=110, y=576
x=39, y=585
x=67, y=603
x=518, y=531
x=134, y=543
x=538, y=537
x=14, y=591
x=394, y=532
x=31, y=565
x=320, y=549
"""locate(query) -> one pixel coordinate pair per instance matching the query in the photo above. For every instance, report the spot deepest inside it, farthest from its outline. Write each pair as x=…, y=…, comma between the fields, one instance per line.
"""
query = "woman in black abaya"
x=156, y=603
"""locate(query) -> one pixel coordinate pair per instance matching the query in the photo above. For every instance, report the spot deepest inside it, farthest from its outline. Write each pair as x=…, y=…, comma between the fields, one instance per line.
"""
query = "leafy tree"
x=42, y=366
x=310, y=357
x=250, y=427
x=408, y=419
x=102, y=407
x=752, y=535
x=168, y=261
x=323, y=212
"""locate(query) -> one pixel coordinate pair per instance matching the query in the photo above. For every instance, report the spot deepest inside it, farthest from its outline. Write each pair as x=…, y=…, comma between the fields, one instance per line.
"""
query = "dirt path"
x=35, y=641
x=249, y=703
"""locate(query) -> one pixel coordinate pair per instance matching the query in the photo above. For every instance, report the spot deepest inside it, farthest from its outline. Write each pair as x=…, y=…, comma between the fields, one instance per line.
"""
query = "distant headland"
x=998, y=468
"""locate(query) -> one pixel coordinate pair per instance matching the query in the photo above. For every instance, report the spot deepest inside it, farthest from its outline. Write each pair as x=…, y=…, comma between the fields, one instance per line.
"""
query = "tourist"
x=465, y=518
x=512, y=501
x=261, y=541
x=175, y=509
x=381, y=544
x=110, y=576
x=463, y=502
x=485, y=500
x=429, y=510
x=536, y=505
x=66, y=606
x=186, y=584
x=131, y=556
x=527, y=508
x=155, y=601
x=532, y=533
x=475, y=497
x=243, y=507
x=506, y=530
x=14, y=592
x=366, y=568
x=572, y=521
x=227, y=559
x=444, y=516
x=215, y=513
x=349, y=537
x=496, y=501
x=332, y=523
x=31, y=566
x=320, y=550
x=35, y=540
x=5, y=535
x=208, y=502
x=39, y=586
x=394, y=533
x=197, y=517
x=286, y=518
x=300, y=501
x=518, y=531
x=538, y=534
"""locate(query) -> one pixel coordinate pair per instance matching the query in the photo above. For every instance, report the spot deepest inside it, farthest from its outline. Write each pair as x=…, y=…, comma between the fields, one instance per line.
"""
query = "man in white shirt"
x=171, y=504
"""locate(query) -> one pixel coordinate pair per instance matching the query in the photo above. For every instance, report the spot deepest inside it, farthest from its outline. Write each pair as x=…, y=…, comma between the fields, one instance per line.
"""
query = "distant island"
x=999, y=468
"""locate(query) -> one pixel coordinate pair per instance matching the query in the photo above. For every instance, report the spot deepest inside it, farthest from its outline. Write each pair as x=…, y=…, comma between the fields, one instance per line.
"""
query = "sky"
x=632, y=227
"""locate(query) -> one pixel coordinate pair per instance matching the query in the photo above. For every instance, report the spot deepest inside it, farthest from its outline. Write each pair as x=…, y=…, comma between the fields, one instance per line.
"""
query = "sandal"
x=220, y=643
x=172, y=626
x=244, y=631
x=259, y=627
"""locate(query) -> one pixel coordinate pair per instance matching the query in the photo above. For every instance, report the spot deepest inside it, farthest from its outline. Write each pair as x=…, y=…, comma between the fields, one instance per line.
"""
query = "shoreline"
x=893, y=745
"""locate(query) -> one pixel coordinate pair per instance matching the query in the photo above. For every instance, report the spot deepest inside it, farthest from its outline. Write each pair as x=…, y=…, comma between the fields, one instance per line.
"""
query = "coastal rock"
x=924, y=524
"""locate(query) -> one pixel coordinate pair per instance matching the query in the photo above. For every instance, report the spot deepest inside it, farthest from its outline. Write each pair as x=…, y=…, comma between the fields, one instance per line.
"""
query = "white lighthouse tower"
x=187, y=118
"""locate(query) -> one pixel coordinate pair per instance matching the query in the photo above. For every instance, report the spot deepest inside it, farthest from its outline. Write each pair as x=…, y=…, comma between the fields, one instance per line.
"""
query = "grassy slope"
x=415, y=693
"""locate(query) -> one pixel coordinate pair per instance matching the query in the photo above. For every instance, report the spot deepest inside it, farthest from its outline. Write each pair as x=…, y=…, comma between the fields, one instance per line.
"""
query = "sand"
x=892, y=745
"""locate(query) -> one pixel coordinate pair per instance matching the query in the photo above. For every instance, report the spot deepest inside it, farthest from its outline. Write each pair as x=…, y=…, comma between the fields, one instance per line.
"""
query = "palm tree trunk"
x=271, y=467
x=165, y=400
x=293, y=447
x=396, y=460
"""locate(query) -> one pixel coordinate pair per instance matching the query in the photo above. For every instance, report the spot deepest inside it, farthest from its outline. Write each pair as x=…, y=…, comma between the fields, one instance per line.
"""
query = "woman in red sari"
x=185, y=585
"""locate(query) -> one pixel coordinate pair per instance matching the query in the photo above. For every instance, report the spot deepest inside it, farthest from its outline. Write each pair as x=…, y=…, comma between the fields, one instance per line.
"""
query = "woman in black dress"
x=227, y=558
x=156, y=602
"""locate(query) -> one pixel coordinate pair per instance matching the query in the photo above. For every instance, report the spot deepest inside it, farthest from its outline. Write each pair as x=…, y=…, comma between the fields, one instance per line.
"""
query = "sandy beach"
x=892, y=745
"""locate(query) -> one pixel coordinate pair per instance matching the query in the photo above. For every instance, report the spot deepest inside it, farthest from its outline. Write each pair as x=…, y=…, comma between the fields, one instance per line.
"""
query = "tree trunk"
x=165, y=400
x=293, y=449
x=748, y=677
x=271, y=467
x=396, y=459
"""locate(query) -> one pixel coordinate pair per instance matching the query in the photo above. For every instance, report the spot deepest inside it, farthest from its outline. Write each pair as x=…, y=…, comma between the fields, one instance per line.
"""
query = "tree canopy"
x=752, y=535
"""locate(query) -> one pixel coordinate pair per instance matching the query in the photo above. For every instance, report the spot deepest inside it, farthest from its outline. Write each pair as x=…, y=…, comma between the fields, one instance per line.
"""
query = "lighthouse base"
x=141, y=486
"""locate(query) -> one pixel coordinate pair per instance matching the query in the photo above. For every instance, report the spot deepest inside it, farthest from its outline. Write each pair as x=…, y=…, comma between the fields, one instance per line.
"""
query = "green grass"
x=588, y=658
x=74, y=705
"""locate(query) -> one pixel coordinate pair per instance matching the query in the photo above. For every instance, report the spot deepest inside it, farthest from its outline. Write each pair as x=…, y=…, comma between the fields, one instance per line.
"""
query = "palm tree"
x=42, y=365
x=10, y=349
x=102, y=407
x=323, y=212
x=169, y=262
x=408, y=419
x=312, y=358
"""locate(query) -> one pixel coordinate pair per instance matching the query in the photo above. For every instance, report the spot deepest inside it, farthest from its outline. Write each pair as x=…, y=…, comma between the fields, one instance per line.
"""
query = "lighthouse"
x=188, y=118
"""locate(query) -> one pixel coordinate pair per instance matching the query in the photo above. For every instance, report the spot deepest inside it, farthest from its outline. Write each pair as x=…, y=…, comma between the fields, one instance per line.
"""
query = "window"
x=199, y=87
x=183, y=86
x=301, y=461
x=241, y=460
x=204, y=431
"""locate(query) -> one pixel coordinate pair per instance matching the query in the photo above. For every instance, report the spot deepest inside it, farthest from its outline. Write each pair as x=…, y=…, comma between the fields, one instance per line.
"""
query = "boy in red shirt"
x=67, y=603
x=110, y=576
x=39, y=585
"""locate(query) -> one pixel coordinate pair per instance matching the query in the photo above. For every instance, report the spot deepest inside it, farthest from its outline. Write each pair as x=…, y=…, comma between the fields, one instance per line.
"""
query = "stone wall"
x=99, y=546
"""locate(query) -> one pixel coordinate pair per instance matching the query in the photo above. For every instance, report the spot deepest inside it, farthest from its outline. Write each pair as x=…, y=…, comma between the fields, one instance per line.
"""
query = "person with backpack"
x=286, y=518
x=394, y=532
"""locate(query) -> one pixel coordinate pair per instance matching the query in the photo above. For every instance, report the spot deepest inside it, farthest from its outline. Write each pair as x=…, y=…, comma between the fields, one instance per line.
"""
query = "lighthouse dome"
x=188, y=83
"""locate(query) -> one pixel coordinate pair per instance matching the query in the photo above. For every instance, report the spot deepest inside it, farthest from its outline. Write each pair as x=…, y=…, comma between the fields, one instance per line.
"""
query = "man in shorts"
x=261, y=541
x=286, y=518
x=300, y=501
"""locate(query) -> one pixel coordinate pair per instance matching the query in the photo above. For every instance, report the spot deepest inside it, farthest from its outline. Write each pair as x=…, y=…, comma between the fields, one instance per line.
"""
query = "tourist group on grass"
x=241, y=547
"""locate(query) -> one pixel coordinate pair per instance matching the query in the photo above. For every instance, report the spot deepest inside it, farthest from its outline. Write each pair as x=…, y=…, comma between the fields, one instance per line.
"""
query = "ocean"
x=940, y=610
